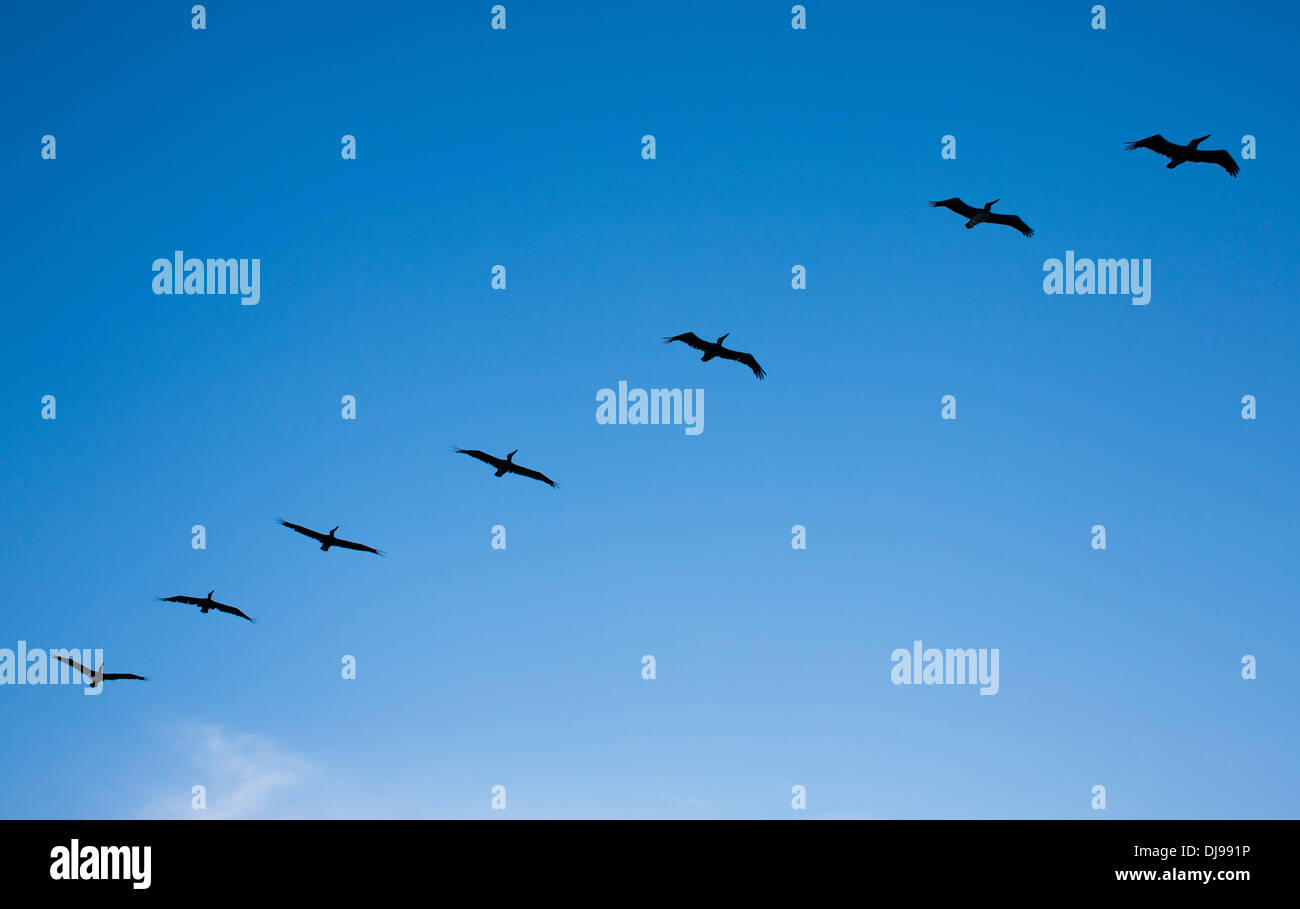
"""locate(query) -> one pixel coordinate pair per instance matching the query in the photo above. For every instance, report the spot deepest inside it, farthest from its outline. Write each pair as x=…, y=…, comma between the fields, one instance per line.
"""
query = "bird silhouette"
x=99, y=675
x=505, y=466
x=204, y=604
x=1179, y=154
x=328, y=540
x=715, y=349
x=976, y=216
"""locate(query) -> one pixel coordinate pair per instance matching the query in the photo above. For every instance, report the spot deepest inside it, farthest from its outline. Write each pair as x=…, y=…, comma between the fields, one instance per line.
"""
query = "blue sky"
x=522, y=667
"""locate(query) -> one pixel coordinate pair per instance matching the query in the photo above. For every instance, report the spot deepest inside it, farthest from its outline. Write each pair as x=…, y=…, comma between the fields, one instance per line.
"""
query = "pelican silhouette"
x=976, y=216
x=99, y=675
x=204, y=604
x=505, y=466
x=715, y=349
x=327, y=540
x=1180, y=154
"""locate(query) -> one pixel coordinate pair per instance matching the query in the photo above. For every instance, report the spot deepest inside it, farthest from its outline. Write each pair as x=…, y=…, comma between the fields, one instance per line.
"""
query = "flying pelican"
x=204, y=604
x=979, y=216
x=99, y=676
x=1177, y=154
x=506, y=466
x=715, y=349
x=327, y=540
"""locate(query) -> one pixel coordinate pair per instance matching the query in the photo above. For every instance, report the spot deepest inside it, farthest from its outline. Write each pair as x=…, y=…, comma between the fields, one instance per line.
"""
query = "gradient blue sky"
x=522, y=668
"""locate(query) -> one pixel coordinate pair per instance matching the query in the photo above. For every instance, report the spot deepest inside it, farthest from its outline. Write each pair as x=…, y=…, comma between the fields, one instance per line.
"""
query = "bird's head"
x=988, y=205
x=1196, y=142
x=336, y=527
x=512, y=454
x=723, y=338
x=211, y=592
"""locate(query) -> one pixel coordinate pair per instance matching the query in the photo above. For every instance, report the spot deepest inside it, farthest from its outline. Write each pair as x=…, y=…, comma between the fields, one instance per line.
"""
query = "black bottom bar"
x=187, y=858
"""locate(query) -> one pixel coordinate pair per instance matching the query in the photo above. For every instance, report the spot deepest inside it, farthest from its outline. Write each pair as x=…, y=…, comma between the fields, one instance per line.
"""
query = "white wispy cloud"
x=245, y=775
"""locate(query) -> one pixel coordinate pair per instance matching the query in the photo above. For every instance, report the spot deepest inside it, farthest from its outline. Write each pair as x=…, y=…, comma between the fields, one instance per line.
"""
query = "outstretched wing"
x=222, y=607
x=84, y=670
x=1216, y=156
x=535, y=474
x=690, y=339
x=747, y=359
x=110, y=676
x=481, y=455
x=180, y=598
x=348, y=544
x=956, y=205
x=1012, y=221
x=305, y=531
x=1157, y=143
